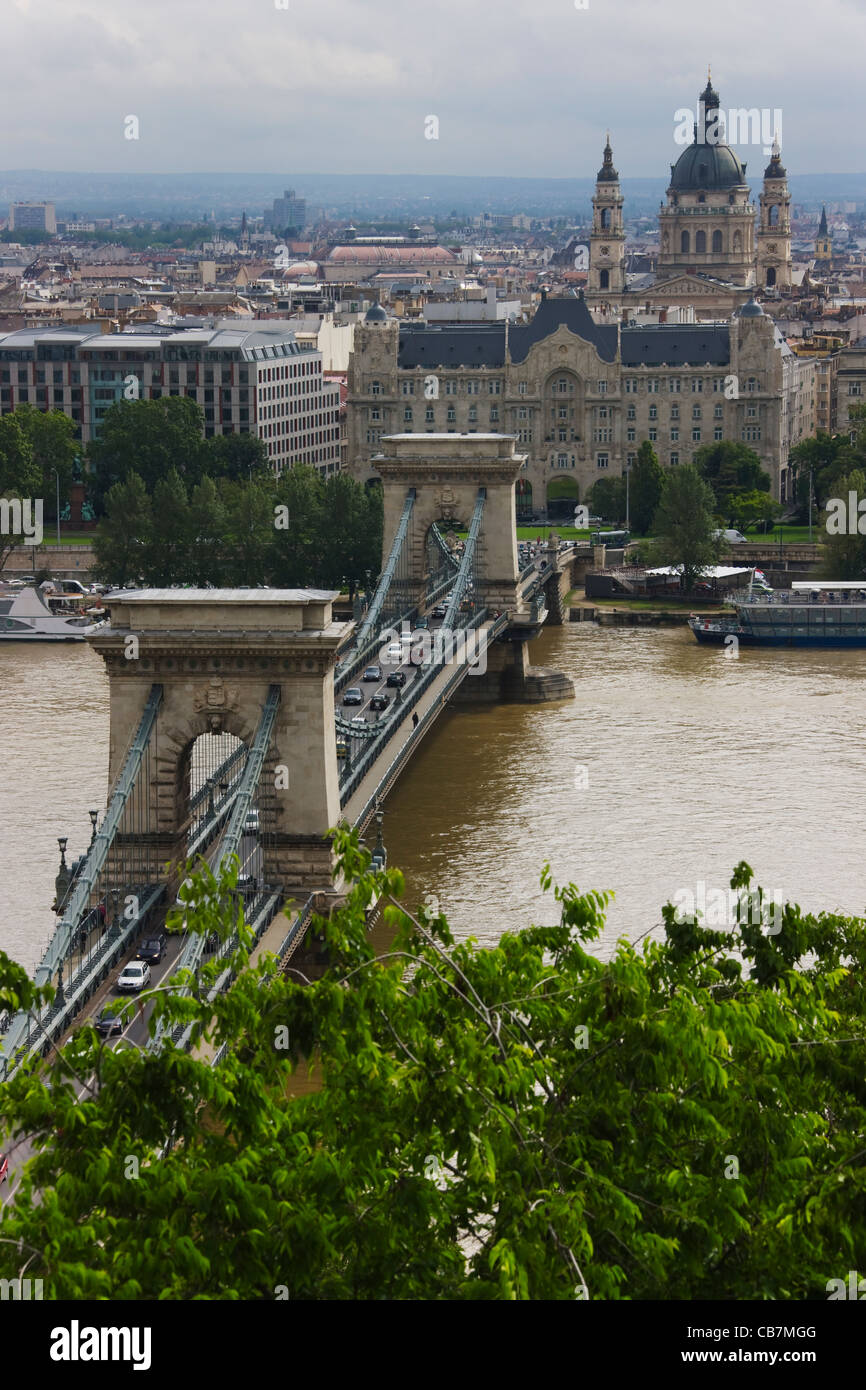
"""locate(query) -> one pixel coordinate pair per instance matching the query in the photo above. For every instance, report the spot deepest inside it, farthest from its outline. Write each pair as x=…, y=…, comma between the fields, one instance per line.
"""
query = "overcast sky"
x=519, y=86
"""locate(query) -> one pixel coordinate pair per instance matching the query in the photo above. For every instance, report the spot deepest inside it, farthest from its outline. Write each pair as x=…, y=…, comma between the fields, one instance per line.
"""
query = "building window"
x=429, y=415
x=652, y=386
x=407, y=414
x=751, y=411
x=494, y=388
x=675, y=458
x=696, y=436
x=473, y=414
x=654, y=412
x=718, y=384
x=601, y=460
x=602, y=412
x=718, y=433
x=521, y=388
x=602, y=388
x=718, y=412
x=407, y=388
x=697, y=385
x=653, y=434
x=472, y=388
x=631, y=436
x=631, y=386
x=451, y=388
x=675, y=434
x=717, y=243
x=675, y=412
x=630, y=460
x=562, y=412
x=452, y=414
x=696, y=412
x=751, y=433
x=521, y=412
x=674, y=384
x=494, y=414
x=631, y=413
x=375, y=413
x=602, y=436
x=752, y=384
x=855, y=388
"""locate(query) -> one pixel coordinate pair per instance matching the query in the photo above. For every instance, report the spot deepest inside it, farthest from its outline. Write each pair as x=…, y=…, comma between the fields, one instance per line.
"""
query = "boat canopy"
x=822, y=585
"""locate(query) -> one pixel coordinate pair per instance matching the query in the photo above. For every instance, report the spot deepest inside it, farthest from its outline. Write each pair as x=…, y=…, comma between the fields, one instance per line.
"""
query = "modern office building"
x=248, y=380
x=32, y=217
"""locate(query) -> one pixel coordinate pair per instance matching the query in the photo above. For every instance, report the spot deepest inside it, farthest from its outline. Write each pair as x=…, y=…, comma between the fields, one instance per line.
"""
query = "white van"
x=732, y=537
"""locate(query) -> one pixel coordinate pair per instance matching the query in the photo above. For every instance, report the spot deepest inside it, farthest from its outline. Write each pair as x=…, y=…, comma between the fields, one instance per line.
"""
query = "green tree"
x=351, y=529
x=123, y=533
x=20, y=475
x=207, y=533
x=730, y=468
x=646, y=483
x=150, y=438
x=684, y=524
x=299, y=549
x=54, y=446
x=828, y=456
x=752, y=509
x=607, y=499
x=249, y=532
x=167, y=551
x=682, y=1119
x=240, y=457
x=843, y=542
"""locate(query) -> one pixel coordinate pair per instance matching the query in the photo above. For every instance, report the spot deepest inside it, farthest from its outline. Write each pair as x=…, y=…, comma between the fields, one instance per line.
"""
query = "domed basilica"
x=715, y=246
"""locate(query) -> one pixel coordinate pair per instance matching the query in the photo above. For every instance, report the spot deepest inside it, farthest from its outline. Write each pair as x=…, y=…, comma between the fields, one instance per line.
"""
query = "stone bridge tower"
x=216, y=653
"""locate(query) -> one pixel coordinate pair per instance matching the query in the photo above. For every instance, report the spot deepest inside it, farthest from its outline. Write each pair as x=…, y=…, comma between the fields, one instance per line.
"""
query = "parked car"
x=107, y=1024
x=380, y=701
x=152, y=949
x=396, y=679
x=134, y=977
x=353, y=696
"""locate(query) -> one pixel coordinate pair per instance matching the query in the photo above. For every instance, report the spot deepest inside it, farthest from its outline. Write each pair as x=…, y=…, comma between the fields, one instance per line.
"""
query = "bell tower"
x=607, y=241
x=823, y=241
x=774, y=226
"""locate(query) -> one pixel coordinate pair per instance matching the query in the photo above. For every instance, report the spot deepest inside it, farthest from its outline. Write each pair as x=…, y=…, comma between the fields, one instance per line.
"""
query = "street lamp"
x=94, y=816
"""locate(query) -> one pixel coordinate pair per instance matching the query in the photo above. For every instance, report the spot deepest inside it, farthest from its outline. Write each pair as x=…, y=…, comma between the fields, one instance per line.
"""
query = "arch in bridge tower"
x=446, y=471
x=523, y=499
x=217, y=653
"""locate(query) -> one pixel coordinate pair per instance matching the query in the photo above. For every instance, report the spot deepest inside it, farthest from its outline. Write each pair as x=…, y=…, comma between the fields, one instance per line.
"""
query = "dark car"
x=353, y=696
x=152, y=949
x=396, y=679
x=372, y=673
x=422, y=623
x=440, y=610
x=380, y=701
x=107, y=1024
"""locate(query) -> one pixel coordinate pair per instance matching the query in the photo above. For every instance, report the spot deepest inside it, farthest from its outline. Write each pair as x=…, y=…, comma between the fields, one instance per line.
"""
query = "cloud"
x=520, y=86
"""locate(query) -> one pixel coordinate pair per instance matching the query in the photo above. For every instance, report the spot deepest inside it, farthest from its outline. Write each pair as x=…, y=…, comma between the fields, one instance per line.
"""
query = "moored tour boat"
x=832, y=614
x=25, y=617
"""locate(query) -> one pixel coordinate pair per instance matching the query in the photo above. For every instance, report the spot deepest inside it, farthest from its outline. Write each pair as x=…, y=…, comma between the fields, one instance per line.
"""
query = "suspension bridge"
x=245, y=724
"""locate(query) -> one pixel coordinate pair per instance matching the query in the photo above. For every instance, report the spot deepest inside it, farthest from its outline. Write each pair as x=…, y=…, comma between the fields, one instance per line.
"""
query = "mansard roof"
x=675, y=345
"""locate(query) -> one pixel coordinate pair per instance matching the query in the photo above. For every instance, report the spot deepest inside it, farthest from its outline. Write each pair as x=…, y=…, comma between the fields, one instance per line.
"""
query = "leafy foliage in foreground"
x=683, y=1120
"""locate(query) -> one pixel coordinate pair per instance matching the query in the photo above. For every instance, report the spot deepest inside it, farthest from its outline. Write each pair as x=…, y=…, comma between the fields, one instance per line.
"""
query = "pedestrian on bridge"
x=415, y=720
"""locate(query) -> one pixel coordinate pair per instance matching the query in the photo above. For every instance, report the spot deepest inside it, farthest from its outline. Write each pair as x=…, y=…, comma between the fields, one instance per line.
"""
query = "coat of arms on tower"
x=446, y=501
x=216, y=698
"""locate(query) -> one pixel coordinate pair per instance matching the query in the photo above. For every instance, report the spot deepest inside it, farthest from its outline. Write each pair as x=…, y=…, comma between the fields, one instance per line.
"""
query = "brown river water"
x=673, y=763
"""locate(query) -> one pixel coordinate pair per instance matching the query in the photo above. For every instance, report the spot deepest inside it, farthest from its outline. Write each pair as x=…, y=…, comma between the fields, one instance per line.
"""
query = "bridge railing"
x=394, y=768
x=361, y=766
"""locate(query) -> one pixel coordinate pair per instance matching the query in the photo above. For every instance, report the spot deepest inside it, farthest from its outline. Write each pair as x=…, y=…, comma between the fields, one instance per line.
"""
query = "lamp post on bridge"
x=94, y=816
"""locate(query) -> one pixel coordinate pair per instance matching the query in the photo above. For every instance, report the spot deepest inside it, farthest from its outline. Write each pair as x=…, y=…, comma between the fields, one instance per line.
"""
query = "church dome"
x=375, y=314
x=707, y=164
x=707, y=167
x=751, y=310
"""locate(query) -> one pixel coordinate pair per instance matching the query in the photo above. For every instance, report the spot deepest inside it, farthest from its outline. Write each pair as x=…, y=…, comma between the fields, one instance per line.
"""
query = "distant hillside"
x=369, y=196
